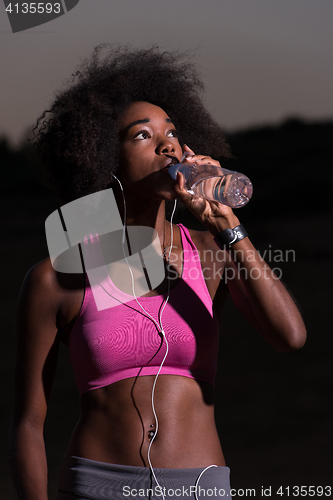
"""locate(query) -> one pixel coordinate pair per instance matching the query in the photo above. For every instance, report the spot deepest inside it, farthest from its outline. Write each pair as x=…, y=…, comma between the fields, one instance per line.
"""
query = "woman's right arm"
x=36, y=360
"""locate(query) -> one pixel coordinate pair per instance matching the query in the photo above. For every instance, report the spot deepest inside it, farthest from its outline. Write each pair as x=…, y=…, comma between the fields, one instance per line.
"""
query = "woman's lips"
x=165, y=169
x=170, y=161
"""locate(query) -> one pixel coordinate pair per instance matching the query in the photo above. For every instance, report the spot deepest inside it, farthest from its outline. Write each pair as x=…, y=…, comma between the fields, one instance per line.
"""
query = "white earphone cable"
x=160, y=326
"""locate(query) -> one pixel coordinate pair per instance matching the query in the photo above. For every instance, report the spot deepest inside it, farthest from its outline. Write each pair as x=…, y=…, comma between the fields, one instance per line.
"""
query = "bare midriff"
x=117, y=424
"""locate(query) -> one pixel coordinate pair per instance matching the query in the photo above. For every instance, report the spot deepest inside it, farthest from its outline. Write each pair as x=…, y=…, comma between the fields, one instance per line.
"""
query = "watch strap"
x=228, y=237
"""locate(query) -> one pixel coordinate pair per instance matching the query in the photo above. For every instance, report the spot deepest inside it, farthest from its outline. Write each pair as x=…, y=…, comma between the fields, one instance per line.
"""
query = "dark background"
x=274, y=410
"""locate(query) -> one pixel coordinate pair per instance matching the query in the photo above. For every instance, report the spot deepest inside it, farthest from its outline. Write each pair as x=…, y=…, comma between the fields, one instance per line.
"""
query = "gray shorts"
x=83, y=479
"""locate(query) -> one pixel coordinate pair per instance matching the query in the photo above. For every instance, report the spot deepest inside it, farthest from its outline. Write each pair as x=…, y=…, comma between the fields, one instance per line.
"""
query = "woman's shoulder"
x=39, y=289
x=41, y=277
x=49, y=299
x=48, y=287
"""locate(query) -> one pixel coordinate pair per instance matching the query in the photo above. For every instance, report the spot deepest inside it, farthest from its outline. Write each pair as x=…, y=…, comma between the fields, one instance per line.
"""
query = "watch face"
x=232, y=236
x=229, y=235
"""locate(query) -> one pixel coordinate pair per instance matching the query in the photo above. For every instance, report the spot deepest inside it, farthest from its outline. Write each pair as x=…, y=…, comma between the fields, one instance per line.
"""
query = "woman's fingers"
x=190, y=157
x=202, y=160
x=186, y=149
x=180, y=179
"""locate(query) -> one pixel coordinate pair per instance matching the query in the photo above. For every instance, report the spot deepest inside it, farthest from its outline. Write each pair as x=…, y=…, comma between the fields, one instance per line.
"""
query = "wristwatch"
x=228, y=237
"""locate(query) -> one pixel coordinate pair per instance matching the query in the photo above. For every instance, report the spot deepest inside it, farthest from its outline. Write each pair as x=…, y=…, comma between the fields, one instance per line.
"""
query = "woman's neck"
x=150, y=213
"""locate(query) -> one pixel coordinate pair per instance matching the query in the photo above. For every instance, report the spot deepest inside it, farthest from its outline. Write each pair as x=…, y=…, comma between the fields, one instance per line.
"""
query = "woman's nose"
x=165, y=146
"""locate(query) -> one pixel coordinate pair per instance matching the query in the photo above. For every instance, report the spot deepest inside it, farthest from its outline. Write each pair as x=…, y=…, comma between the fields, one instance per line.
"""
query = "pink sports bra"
x=121, y=342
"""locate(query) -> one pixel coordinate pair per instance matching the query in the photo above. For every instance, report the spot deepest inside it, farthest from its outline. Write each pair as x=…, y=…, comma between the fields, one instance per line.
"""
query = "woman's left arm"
x=255, y=289
x=259, y=294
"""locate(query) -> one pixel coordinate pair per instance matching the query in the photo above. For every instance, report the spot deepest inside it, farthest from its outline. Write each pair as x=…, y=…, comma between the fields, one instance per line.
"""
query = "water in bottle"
x=215, y=183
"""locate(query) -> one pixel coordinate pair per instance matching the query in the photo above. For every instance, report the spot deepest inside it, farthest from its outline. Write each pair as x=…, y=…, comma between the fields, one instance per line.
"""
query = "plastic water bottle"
x=214, y=183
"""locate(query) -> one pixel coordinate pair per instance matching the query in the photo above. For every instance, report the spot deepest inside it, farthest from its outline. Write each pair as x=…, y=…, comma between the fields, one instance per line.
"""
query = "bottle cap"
x=174, y=169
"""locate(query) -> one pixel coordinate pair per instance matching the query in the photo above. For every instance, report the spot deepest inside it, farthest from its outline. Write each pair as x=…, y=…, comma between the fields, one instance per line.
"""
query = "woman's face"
x=149, y=144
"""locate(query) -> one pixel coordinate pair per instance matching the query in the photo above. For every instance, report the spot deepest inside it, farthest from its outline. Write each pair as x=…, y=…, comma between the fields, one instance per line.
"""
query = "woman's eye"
x=142, y=135
x=172, y=133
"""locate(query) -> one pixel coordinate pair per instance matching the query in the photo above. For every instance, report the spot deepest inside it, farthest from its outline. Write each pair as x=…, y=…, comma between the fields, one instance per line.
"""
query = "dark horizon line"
x=19, y=143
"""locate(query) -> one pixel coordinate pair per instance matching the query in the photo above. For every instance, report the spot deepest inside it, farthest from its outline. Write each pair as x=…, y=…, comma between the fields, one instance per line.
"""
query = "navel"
x=151, y=433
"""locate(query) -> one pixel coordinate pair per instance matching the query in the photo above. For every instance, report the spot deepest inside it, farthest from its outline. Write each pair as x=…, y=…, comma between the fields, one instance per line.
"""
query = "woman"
x=121, y=123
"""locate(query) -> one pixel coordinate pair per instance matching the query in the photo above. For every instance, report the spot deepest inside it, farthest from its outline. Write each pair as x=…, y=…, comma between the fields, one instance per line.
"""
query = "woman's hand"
x=215, y=216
